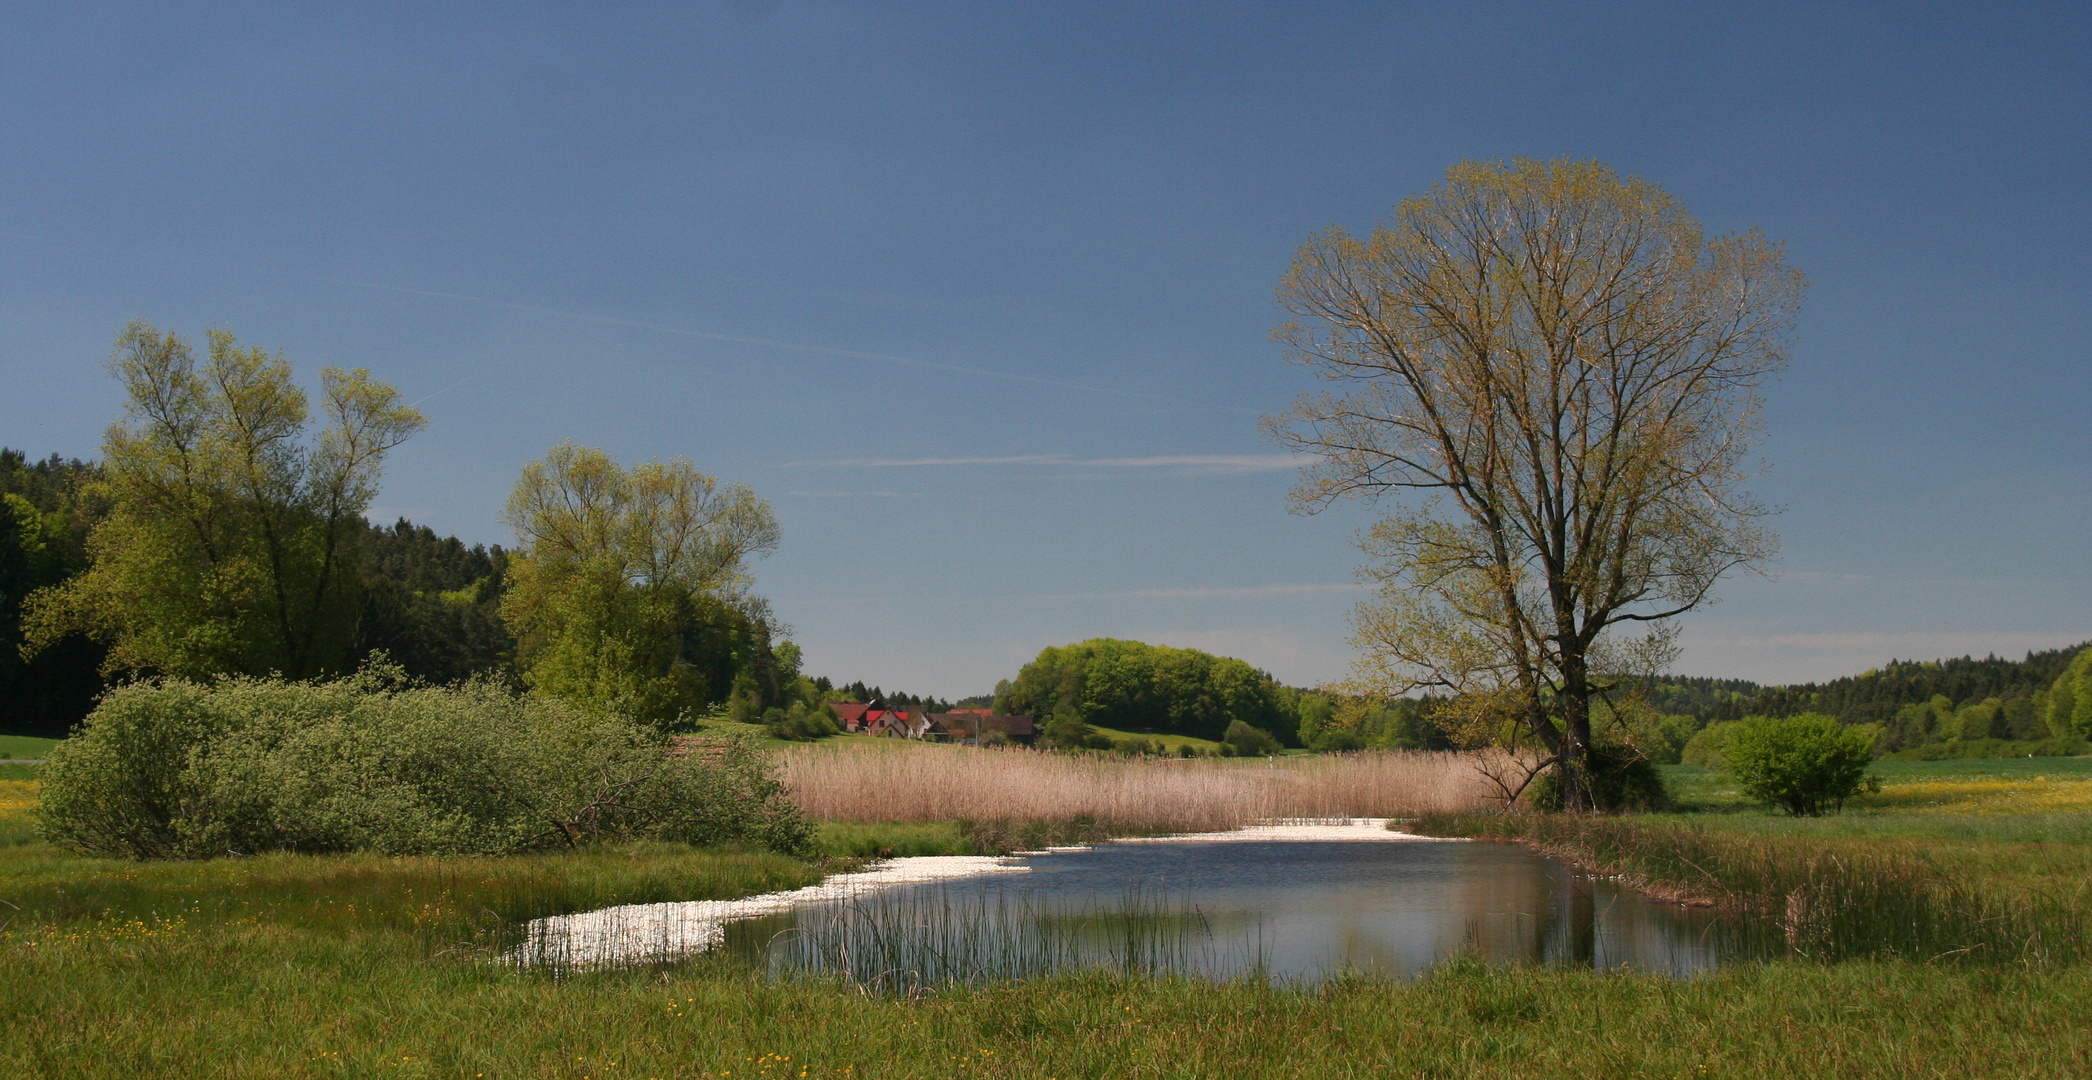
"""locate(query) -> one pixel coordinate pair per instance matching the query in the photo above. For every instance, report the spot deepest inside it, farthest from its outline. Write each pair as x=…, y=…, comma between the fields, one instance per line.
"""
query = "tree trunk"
x=1576, y=733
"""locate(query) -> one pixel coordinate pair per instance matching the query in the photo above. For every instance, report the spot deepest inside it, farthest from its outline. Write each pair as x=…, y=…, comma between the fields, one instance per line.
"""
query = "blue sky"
x=979, y=295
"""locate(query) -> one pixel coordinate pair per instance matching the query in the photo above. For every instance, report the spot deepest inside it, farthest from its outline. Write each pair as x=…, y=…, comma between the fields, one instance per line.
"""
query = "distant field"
x=1969, y=786
x=2014, y=825
x=24, y=746
x=1168, y=742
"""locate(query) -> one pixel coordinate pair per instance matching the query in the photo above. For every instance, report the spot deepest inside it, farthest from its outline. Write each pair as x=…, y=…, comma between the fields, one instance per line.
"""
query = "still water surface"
x=1287, y=910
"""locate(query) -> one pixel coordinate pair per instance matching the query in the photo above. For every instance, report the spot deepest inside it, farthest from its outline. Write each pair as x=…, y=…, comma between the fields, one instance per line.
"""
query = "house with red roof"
x=876, y=719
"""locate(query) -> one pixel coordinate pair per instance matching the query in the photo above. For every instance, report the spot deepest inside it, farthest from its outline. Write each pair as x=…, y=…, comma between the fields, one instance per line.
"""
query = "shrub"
x=178, y=769
x=1246, y=741
x=803, y=723
x=1618, y=779
x=1803, y=764
x=1335, y=740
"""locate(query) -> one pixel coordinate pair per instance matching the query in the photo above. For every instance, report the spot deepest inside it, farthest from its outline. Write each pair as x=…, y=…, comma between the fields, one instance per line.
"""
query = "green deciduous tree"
x=231, y=538
x=2068, y=709
x=1131, y=685
x=1554, y=375
x=631, y=588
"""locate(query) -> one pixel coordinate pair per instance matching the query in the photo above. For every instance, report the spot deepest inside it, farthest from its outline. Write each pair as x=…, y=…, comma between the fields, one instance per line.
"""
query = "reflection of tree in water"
x=1498, y=904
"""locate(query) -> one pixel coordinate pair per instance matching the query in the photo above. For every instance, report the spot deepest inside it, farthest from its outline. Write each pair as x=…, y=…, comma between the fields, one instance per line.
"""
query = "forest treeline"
x=430, y=603
x=1912, y=704
x=222, y=533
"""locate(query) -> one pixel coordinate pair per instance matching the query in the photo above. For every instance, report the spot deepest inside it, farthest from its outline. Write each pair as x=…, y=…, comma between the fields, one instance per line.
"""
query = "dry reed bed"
x=946, y=783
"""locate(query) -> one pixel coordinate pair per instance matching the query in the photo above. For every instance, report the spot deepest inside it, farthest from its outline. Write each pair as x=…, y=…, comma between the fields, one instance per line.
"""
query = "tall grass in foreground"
x=242, y=1002
x=1830, y=901
x=947, y=783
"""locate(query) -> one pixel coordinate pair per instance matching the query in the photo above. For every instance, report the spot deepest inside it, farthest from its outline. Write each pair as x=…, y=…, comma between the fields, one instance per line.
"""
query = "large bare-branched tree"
x=1550, y=379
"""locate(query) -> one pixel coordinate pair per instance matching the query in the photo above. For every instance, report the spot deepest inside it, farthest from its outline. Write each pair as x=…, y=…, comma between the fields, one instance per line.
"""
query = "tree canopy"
x=630, y=588
x=1134, y=686
x=1550, y=377
x=230, y=539
x=45, y=515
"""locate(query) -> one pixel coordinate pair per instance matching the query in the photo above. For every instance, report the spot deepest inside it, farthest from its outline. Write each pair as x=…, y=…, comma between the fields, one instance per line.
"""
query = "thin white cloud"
x=857, y=494
x=784, y=346
x=1250, y=593
x=1218, y=462
x=1253, y=592
x=1820, y=577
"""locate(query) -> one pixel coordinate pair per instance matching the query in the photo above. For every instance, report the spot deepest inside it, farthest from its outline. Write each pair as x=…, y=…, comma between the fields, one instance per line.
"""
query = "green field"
x=25, y=746
x=355, y=966
x=1167, y=741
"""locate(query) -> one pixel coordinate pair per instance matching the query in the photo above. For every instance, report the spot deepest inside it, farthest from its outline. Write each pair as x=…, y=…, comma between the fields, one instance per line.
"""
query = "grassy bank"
x=1985, y=861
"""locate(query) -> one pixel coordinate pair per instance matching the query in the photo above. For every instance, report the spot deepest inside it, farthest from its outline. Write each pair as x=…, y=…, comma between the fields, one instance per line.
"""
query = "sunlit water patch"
x=1290, y=906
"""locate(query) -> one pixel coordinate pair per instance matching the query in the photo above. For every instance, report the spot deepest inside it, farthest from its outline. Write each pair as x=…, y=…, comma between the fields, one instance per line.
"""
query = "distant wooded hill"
x=1872, y=697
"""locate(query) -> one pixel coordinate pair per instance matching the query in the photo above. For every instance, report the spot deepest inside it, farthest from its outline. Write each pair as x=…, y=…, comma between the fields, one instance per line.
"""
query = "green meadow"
x=367, y=966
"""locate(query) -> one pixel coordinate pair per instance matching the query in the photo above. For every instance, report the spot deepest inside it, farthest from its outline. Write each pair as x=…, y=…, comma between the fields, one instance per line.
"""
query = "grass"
x=445, y=903
x=1168, y=742
x=891, y=839
x=25, y=746
x=264, y=1001
x=357, y=966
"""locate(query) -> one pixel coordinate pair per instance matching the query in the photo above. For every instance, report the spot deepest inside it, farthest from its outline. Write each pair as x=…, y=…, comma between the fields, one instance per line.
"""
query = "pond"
x=1293, y=910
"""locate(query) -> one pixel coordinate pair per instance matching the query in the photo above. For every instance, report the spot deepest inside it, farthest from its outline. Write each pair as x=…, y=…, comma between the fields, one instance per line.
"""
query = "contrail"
x=1250, y=593
x=786, y=346
x=1230, y=462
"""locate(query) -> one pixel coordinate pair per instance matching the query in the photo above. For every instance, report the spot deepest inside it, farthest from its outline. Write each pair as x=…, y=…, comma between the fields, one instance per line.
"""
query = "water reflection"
x=1296, y=911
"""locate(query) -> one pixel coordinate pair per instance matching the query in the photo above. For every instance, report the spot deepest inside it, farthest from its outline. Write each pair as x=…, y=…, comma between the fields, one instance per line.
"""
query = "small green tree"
x=1803, y=764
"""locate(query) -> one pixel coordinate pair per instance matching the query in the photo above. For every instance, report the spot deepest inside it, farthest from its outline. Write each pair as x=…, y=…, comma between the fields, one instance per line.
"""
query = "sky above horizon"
x=979, y=296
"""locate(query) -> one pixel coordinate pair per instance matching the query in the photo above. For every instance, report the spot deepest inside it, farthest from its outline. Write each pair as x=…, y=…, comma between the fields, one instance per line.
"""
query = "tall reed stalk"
x=946, y=783
x=917, y=940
